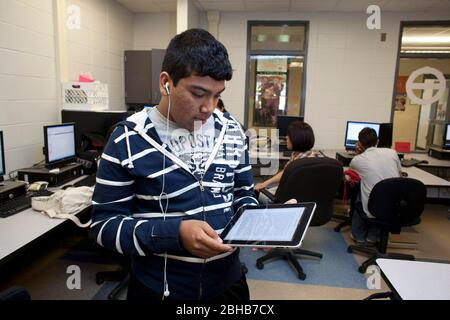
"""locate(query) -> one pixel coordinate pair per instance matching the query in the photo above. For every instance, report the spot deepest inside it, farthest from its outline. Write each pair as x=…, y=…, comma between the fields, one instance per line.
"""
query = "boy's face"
x=193, y=100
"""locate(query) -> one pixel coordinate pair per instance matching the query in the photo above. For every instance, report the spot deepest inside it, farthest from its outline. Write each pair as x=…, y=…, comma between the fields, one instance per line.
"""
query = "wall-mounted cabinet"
x=142, y=69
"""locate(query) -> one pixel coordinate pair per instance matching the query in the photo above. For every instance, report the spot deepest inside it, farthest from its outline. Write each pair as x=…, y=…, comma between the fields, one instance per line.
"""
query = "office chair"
x=395, y=203
x=15, y=294
x=122, y=276
x=307, y=180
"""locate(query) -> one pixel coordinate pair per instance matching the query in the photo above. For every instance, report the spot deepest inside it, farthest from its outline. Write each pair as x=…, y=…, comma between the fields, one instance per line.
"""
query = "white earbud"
x=166, y=85
x=166, y=293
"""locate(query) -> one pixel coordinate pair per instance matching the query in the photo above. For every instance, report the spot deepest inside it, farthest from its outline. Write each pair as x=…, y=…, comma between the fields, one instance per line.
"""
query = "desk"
x=266, y=163
x=20, y=229
x=437, y=167
x=416, y=280
x=437, y=187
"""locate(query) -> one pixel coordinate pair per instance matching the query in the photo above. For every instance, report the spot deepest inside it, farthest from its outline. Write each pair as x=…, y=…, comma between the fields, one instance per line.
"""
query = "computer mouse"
x=404, y=174
x=425, y=161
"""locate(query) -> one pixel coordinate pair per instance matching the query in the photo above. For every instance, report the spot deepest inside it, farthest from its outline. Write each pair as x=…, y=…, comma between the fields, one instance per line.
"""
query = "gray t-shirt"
x=193, y=148
x=374, y=165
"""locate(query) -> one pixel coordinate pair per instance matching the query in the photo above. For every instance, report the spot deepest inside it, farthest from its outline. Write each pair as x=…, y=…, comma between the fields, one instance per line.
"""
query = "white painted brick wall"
x=28, y=88
x=153, y=30
x=106, y=32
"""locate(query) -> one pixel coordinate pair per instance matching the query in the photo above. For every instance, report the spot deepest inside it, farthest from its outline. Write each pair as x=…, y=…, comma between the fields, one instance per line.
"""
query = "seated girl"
x=300, y=140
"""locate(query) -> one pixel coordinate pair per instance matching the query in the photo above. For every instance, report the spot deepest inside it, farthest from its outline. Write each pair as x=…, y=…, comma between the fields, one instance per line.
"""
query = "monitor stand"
x=60, y=165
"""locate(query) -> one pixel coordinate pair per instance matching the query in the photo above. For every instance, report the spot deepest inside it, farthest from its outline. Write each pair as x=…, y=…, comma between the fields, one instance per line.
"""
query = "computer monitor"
x=91, y=123
x=446, y=144
x=283, y=123
x=353, y=129
x=59, y=144
x=385, y=135
x=2, y=157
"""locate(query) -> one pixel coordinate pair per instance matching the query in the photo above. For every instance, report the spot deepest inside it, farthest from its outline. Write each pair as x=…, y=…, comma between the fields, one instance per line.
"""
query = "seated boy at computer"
x=373, y=165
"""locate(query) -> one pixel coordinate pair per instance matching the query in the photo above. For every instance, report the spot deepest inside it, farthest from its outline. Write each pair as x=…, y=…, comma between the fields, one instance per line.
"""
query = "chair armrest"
x=268, y=194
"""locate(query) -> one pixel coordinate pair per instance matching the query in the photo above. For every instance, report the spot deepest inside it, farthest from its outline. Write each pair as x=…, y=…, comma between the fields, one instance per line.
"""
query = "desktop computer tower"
x=439, y=153
x=65, y=174
x=385, y=135
x=344, y=158
x=11, y=190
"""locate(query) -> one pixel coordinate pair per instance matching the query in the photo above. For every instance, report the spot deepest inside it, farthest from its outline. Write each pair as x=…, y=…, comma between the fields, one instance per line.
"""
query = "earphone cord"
x=164, y=209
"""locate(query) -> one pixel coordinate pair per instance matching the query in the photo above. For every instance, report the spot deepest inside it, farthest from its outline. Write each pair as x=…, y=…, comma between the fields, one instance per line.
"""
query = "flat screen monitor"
x=447, y=136
x=353, y=129
x=91, y=123
x=283, y=123
x=2, y=157
x=59, y=144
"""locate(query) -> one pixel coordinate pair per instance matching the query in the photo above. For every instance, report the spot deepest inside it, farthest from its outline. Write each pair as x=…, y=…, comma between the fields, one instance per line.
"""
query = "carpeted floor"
x=336, y=269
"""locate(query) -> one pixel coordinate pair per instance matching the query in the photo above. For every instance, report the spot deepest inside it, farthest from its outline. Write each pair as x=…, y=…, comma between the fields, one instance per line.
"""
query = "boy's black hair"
x=196, y=52
x=368, y=137
x=301, y=135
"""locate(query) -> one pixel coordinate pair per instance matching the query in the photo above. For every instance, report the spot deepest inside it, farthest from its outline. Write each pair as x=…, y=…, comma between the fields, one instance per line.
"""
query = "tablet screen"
x=279, y=225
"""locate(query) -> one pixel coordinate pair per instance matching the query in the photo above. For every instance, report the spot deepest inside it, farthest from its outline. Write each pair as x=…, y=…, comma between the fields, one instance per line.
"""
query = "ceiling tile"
x=313, y=5
x=269, y=6
x=223, y=5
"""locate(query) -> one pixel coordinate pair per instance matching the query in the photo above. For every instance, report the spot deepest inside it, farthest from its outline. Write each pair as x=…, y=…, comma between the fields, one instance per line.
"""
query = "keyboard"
x=16, y=205
x=410, y=162
x=88, y=181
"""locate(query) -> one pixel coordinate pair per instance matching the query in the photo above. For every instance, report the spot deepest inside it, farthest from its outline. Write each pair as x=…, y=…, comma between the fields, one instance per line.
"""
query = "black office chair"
x=307, y=180
x=395, y=203
x=122, y=276
x=15, y=294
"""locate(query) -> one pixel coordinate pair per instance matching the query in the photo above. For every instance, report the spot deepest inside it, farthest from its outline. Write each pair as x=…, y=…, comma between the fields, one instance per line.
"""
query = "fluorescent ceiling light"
x=261, y=37
x=296, y=64
x=425, y=39
x=425, y=51
x=283, y=38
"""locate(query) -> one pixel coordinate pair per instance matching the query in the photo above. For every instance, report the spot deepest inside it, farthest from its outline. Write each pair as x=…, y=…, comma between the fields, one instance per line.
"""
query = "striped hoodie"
x=126, y=210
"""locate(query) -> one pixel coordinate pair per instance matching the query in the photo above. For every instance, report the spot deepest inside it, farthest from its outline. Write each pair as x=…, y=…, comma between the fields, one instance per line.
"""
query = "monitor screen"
x=447, y=136
x=59, y=143
x=283, y=123
x=91, y=122
x=2, y=156
x=353, y=129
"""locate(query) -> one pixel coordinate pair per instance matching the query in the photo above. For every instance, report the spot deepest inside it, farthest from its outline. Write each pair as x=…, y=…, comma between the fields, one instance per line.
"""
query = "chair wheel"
x=349, y=250
x=362, y=269
x=302, y=276
x=259, y=265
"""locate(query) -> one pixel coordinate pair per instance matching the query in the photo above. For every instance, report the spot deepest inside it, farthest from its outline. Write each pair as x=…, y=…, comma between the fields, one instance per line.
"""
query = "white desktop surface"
x=18, y=230
x=428, y=179
x=21, y=228
x=432, y=162
x=417, y=280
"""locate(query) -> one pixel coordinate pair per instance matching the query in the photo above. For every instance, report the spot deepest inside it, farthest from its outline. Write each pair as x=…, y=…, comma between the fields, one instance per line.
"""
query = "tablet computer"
x=273, y=225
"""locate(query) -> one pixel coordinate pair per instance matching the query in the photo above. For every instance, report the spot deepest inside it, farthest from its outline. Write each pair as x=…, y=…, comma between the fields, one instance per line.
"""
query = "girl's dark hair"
x=301, y=135
x=196, y=52
x=221, y=106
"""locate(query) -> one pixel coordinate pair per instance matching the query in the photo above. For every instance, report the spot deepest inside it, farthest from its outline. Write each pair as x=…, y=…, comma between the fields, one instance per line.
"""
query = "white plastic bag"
x=65, y=204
